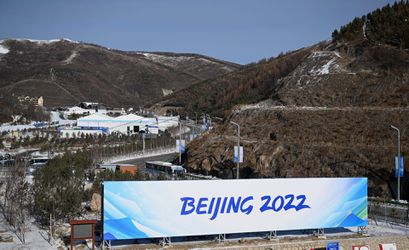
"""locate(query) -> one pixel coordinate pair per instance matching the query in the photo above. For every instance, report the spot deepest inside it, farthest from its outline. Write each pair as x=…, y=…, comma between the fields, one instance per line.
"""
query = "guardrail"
x=388, y=211
x=4, y=173
x=191, y=176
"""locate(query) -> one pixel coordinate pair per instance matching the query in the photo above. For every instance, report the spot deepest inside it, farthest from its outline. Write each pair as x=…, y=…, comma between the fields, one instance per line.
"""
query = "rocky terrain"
x=321, y=111
x=88, y=72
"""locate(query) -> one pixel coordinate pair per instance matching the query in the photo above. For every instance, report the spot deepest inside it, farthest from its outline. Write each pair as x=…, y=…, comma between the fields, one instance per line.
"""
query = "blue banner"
x=402, y=168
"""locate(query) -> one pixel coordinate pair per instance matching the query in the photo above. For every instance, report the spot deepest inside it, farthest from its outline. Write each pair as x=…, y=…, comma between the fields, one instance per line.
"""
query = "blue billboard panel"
x=150, y=209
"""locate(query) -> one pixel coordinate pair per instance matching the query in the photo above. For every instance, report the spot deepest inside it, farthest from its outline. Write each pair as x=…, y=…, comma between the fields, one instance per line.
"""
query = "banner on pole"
x=180, y=146
x=236, y=157
x=397, y=167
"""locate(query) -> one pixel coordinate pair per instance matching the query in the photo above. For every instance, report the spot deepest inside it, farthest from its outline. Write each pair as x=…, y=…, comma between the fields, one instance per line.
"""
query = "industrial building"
x=126, y=124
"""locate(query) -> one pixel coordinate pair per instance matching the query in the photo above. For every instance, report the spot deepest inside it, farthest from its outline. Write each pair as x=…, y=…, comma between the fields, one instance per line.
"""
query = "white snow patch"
x=71, y=57
x=166, y=60
x=6, y=127
x=40, y=42
x=318, y=54
x=4, y=50
x=35, y=237
x=208, y=61
x=55, y=117
x=173, y=61
x=325, y=69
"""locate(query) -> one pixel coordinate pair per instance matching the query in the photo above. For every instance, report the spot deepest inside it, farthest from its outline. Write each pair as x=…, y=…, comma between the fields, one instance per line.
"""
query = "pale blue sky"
x=240, y=31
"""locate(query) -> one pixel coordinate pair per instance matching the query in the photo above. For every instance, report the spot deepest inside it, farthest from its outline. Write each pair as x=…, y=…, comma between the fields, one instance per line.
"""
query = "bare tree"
x=17, y=199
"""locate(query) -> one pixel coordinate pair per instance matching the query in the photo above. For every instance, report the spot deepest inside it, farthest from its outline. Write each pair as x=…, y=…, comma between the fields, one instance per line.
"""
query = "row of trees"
x=17, y=199
x=58, y=190
x=59, y=186
x=389, y=25
x=50, y=140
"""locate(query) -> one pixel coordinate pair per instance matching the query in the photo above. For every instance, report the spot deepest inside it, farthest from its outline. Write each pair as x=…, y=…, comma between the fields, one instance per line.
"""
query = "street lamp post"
x=180, y=141
x=399, y=166
x=238, y=148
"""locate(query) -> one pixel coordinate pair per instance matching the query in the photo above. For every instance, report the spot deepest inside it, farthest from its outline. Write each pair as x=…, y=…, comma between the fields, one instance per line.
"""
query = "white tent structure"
x=76, y=111
x=165, y=122
x=95, y=121
x=127, y=124
x=131, y=124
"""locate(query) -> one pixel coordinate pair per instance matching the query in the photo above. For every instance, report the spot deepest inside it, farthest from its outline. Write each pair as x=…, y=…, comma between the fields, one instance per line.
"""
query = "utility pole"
x=180, y=141
x=398, y=130
x=238, y=148
x=143, y=143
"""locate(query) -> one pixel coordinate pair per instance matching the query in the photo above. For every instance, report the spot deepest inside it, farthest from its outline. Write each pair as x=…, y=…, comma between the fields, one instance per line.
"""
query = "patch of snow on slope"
x=46, y=41
x=172, y=60
x=7, y=127
x=55, y=117
x=207, y=61
x=71, y=57
x=225, y=67
x=318, y=54
x=324, y=62
x=3, y=50
x=166, y=60
x=325, y=68
x=337, y=54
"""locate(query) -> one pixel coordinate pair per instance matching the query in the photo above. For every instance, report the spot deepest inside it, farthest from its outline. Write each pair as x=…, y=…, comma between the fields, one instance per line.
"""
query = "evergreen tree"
x=389, y=25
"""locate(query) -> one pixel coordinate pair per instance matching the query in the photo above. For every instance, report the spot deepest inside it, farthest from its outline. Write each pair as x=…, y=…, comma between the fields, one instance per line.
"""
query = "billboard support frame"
x=272, y=235
x=106, y=243
x=221, y=238
x=363, y=230
x=166, y=241
x=319, y=233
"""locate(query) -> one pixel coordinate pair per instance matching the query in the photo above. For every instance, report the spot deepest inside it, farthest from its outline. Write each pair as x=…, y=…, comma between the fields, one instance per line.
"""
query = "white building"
x=95, y=121
x=125, y=124
x=165, y=122
x=76, y=111
x=130, y=124
x=81, y=111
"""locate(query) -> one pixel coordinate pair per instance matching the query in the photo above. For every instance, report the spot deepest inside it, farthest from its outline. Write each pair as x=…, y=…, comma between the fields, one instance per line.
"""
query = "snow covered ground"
x=3, y=50
x=55, y=117
x=46, y=41
x=7, y=127
x=386, y=229
x=35, y=237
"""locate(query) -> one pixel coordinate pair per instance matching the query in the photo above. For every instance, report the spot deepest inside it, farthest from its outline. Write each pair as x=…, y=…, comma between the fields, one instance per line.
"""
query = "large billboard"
x=148, y=209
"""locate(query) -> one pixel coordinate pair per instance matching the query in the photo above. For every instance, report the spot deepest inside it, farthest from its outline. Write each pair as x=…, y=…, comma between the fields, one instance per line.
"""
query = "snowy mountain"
x=83, y=72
